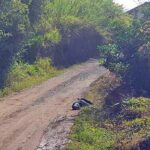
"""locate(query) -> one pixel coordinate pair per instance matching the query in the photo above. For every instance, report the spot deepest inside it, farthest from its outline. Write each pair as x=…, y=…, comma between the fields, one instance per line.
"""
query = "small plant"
x=140, y=104
x=52, y=36
x=139, y=122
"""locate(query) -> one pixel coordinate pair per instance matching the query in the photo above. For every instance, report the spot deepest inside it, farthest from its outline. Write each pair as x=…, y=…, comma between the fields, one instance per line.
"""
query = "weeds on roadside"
x=94, y=129
x=23, y=75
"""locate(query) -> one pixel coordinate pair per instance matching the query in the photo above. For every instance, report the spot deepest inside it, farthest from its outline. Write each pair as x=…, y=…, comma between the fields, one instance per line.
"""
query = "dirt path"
x=26, y=115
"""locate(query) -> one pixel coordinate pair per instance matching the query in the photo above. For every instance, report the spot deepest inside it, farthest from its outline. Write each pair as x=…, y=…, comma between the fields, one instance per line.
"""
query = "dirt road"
x=25, y=116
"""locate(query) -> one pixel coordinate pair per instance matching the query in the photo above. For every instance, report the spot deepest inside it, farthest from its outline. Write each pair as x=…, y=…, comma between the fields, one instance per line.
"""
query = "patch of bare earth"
x=43, y=114
x=56, y=135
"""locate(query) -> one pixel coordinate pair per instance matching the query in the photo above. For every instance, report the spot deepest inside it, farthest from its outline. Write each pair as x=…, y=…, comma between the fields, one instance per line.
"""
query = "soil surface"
x=42, y=114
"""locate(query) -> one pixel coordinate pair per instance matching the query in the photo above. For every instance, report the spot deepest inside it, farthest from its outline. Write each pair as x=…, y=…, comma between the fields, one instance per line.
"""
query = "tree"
x=13, y=25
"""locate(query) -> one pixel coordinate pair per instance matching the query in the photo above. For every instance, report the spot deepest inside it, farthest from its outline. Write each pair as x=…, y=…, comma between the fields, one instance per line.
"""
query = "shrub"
x=52, y=36
x=112, y=58
x=23, y=75
x=140, y=104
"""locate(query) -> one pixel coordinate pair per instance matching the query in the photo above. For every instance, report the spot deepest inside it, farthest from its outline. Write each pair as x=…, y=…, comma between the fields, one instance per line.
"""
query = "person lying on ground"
x=81, y=102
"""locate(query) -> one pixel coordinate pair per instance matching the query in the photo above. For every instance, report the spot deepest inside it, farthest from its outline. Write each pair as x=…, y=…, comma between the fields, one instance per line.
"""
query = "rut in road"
x=24, y=116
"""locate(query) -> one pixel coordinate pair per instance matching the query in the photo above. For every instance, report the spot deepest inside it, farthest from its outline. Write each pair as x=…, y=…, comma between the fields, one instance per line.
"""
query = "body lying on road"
x=81, y=102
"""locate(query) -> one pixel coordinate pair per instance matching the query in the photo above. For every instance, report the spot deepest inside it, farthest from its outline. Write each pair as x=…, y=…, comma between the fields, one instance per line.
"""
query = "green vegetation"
x=135, y=121
x=128, y=53
x=88, y=135
x=139, y=104
x=23, y=75
x=30, y=28
x=125, y=120
x=95, y=129
x=111, y=58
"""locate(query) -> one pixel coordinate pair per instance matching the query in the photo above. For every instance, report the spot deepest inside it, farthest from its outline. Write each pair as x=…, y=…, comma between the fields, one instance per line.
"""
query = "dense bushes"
x=142, y=69
x=31, y=28
x=28, y=28
x=111, y=57
x=129, y=57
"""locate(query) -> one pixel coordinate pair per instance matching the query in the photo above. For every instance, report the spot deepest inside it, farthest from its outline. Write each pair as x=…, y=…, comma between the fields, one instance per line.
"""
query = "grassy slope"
x=122, y=126
x=88, y=135
x=23, y=75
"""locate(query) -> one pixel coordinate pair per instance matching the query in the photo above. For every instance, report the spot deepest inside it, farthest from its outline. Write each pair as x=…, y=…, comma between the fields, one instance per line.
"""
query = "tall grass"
x=99, y=13
x=23, y=75
x=88, y=135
